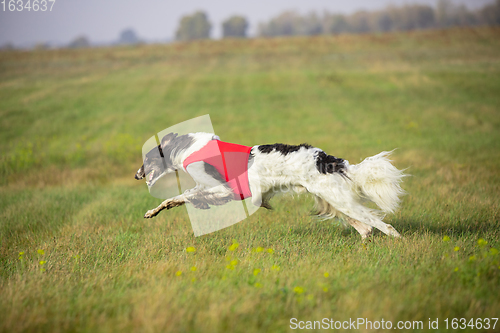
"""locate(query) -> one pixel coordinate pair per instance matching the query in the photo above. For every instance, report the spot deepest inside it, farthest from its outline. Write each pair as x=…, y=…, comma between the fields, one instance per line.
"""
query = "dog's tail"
x=377, y=180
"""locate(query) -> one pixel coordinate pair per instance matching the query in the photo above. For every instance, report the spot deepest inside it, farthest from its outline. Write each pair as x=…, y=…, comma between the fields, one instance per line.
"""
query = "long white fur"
x=375, y=179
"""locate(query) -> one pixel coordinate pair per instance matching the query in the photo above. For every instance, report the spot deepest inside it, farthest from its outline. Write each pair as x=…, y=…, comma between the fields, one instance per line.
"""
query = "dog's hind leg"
x=167, y=204
x=324, y=209
x=343, y=199
x=266, y=197
x=362, y=214
x=358, y=216
x=364, y=230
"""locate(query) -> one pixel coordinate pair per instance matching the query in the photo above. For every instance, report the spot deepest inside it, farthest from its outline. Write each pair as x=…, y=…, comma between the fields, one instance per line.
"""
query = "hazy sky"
x=103, y=20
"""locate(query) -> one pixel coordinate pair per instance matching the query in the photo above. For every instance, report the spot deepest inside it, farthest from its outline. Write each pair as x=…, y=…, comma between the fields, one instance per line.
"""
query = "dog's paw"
x=366, y=237
x=150, y=213
x=266, y=205
x=393, y=232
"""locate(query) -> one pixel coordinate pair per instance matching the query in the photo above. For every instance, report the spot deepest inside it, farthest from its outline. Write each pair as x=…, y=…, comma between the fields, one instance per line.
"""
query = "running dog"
x=224, y=172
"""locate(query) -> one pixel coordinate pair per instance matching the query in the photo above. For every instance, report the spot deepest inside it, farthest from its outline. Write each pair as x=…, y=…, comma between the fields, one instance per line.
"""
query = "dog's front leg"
x=216, y=196
x=167, y=204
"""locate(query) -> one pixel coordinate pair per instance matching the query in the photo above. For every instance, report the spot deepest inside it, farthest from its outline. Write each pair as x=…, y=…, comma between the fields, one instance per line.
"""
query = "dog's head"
x=153, y=168
x=159, y=160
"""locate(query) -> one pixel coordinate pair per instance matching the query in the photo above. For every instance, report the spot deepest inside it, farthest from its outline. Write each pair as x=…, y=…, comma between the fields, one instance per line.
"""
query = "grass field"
x=76, y=254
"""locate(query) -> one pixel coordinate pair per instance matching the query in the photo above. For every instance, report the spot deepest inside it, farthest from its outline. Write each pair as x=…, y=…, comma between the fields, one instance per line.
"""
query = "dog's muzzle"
x=140, y=174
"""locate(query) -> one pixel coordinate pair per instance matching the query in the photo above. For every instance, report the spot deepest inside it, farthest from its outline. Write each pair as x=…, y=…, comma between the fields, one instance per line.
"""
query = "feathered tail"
x=377, y=180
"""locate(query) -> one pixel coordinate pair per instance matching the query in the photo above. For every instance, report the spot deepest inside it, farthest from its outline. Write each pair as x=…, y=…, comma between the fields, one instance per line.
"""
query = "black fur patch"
x=282, y=148
x=212, y=171
x=172, y=143
x=329, y=164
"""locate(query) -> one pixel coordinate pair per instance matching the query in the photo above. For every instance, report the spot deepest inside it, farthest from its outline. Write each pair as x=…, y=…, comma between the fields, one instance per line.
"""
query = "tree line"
x=392, y=18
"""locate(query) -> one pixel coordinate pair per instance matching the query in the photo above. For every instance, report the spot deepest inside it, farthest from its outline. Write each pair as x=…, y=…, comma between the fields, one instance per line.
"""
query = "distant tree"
x=464, y=17
x=194, y=27
x=421, y=16
x=7, y=46
x=235, y=26
x=311, y=25
x=444, y=13
x=411, y=17
x=335, y=23
x=285, y=24
x=128, y=36
x=79, y=42
x=359, y=22
x=490, y=14
x=384, y=21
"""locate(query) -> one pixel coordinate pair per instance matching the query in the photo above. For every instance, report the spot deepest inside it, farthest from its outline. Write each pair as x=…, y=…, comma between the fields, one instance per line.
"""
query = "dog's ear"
x=167, y=139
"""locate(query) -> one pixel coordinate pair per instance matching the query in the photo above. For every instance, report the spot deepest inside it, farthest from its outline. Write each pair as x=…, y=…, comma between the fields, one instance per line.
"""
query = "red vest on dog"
x=230, y=160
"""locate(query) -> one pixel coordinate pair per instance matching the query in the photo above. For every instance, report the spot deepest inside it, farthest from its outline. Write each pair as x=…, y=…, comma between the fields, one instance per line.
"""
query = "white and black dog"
x=340, y=189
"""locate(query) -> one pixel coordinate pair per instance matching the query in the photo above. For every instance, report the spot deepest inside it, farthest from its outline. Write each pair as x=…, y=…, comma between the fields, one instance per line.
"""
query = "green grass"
x=72, y=126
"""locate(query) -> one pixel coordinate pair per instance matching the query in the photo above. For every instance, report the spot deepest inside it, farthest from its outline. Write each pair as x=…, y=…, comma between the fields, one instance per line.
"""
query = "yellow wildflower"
x=456, y=248
x=446, y=239
x=234, y=246
x=256, y=271
x=270, y=251
x=193, y=268
x=41, y=252
x=275, y=267
x=178, y=273
x=298, y=290
x=326, y=275
x=190, y=249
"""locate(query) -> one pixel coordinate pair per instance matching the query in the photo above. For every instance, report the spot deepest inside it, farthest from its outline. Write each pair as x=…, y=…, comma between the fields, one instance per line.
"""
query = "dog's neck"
x=177, y=156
